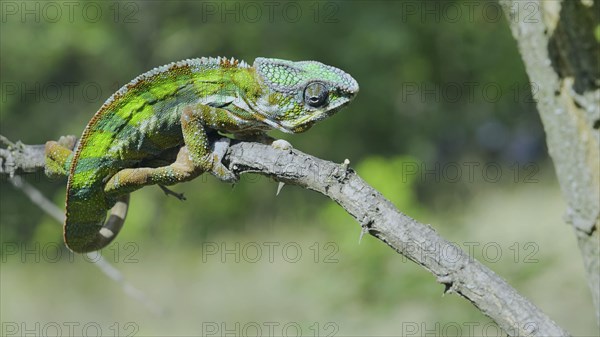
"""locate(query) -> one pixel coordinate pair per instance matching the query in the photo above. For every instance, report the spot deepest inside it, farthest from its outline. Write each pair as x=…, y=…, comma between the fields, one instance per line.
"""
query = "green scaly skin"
x=155, y=130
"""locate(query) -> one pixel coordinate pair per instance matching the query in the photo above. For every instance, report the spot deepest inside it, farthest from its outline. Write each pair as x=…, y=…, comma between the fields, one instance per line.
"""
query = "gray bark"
x=561, y=54
x=451, y=266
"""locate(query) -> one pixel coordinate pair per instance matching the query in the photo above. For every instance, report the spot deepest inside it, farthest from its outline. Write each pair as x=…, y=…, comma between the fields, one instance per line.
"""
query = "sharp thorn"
x=279, y=187
x=363, y=231
x=168, y=192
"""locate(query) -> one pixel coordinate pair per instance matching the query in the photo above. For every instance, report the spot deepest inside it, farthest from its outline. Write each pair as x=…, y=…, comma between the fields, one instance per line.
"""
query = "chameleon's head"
x=298, y=94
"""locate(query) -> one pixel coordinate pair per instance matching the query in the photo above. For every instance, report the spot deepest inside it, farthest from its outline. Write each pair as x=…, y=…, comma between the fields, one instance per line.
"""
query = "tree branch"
x=457, y=271
x=18, y=158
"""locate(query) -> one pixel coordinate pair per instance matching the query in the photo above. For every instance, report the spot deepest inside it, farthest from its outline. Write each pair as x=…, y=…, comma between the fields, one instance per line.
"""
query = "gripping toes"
x=206, y=156
x=218, y=169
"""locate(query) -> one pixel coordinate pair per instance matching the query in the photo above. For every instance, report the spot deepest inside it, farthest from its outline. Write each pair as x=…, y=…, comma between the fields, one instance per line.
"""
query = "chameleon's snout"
x=352, y=87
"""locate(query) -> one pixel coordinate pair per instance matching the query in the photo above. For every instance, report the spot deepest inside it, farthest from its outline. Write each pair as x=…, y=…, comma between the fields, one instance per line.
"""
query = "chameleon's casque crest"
x=287, y=76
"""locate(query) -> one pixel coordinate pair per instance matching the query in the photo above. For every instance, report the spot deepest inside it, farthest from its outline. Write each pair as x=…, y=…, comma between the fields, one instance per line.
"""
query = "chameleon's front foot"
x=263, y=138
x=282, y=144
x=218, y=169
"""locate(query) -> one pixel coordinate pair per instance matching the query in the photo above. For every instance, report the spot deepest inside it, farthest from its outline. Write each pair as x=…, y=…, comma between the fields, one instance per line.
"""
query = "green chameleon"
x=155, y=131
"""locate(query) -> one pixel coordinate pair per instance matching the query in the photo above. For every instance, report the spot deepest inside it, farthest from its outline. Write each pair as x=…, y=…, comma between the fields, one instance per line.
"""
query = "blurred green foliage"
x=442, y=84
x=373, y=258
x=439, y=87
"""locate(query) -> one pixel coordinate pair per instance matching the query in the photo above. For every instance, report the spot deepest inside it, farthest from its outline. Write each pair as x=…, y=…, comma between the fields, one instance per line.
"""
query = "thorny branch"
x=459, y=273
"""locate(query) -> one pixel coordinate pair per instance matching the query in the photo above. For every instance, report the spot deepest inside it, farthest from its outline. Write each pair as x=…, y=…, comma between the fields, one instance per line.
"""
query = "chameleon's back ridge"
x=170, y=109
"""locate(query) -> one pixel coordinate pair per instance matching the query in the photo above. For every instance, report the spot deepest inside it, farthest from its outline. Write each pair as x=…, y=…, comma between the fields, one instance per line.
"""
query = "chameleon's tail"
x=93, y=233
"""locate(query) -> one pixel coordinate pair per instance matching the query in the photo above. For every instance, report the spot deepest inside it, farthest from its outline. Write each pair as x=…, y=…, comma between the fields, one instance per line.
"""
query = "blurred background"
x=445, y=126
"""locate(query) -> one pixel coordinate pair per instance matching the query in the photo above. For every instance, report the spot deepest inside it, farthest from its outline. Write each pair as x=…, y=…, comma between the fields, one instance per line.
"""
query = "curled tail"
x=85, y=229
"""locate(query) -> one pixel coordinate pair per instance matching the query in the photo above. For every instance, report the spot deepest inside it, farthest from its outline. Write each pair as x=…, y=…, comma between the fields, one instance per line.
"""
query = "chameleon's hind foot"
x=67, y=141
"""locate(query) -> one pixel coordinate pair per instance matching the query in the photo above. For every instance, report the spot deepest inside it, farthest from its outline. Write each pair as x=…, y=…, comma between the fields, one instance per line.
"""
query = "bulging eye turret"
x=315, y=94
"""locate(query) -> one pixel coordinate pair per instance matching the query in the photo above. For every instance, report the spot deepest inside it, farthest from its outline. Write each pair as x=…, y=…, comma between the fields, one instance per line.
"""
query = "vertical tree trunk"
x=561, y=55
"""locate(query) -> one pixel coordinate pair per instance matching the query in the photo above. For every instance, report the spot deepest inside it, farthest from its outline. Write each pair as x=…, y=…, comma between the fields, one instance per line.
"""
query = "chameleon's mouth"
x=265, y=118
x=294, y=127
x=297, y=125
x=276, y=125
x=303, y=125
x=306, y=123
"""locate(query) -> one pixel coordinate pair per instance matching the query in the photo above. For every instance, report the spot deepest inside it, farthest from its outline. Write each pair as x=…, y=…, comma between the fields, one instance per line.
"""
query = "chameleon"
x=156, y=130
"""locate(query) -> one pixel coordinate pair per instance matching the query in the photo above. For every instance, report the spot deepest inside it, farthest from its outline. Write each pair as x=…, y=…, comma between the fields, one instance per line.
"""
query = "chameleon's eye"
x=315, y=94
